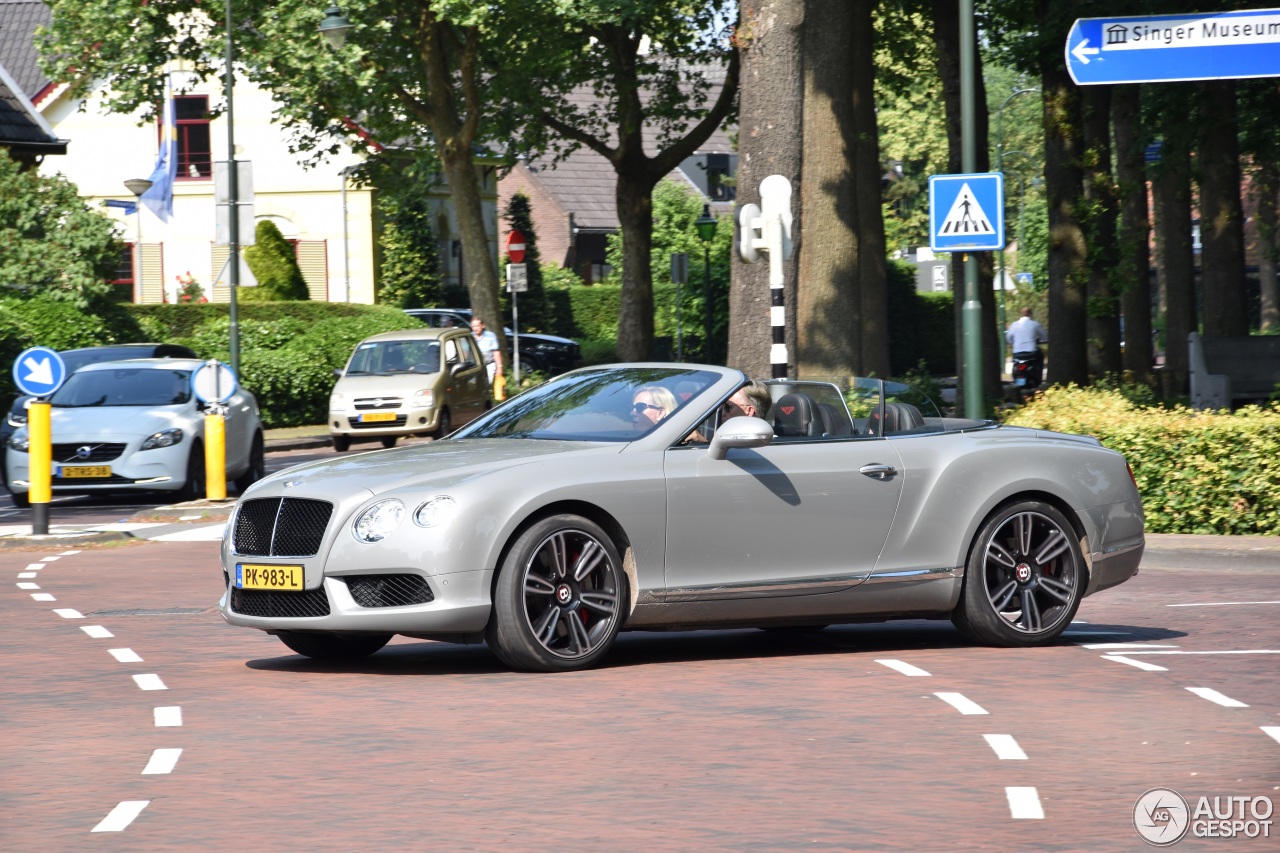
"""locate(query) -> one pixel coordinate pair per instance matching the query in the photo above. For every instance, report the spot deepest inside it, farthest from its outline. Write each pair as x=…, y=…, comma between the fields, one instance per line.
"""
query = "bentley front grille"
x=388, y=590
x=281, y=527
x=269, y=602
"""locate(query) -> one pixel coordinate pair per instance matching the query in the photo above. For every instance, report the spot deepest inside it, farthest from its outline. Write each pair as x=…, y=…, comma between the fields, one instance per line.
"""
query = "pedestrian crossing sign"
x=966, y=212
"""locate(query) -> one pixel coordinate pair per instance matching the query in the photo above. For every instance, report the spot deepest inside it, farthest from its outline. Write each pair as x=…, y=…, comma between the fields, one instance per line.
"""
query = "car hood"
x=454, y=461
x=115, y=423
x=375, y=385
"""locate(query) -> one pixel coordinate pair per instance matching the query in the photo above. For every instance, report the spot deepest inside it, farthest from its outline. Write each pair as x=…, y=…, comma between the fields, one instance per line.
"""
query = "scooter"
x=1026, y=370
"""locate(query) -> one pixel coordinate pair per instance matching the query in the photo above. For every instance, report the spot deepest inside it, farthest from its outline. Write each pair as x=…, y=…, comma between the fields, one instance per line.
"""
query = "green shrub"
x=1197, y=472
x=275, y=266
x=599, y=351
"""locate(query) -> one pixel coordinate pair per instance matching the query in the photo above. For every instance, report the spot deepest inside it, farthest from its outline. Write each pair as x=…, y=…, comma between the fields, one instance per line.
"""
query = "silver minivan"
x=412, y=382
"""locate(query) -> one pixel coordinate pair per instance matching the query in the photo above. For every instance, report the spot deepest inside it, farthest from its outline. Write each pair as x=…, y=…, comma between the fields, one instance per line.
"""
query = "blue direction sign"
x=966, y=212
x=1163, y=48
x=127, y=206
x=39, y=371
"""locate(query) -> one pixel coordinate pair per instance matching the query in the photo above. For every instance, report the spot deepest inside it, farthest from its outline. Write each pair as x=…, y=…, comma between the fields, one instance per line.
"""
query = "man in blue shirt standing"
x=488, y=347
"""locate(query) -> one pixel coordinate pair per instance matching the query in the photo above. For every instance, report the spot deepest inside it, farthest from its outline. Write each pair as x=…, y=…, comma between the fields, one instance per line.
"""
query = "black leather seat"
x=898, y=417
x=835, y=421
x=796, y=415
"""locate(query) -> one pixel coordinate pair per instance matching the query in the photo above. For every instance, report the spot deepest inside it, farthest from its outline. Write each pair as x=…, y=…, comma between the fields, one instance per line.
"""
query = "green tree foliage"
x=409, y=272
x=535, y=314
x=274, y=266
x=51, y=242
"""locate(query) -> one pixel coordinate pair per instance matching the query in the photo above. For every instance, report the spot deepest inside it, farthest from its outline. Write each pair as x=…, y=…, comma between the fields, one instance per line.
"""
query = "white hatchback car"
x=135, y=425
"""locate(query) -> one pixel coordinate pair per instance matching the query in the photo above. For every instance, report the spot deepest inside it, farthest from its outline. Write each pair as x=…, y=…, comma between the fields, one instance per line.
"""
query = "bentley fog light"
x=378, y=521
x=163, y=438
x=435, y=512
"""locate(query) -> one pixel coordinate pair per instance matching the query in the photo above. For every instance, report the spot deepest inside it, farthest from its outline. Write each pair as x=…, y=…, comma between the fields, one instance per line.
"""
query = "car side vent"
x=281, y=527
x=389, y=590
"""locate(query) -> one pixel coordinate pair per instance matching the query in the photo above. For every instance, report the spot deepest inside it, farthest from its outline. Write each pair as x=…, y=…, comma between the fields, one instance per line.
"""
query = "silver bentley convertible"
x=624, y=497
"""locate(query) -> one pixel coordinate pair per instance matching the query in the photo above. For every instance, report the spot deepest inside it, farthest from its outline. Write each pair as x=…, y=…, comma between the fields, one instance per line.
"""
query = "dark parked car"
x=544, y=353
x=74, y=359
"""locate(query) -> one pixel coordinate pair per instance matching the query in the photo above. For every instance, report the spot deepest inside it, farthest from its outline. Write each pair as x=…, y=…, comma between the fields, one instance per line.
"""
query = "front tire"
x=195, y=488
x=389, y=440
x=257, y=465
x=559, y=599
x=445, y=424
x=22, y=500
x=341, y=443
x=334, y=646
x=1025, y=577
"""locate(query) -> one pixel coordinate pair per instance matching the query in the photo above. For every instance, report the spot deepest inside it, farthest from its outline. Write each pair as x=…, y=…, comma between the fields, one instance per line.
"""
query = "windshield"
x=125, y=386
x=606, y=404
x=383, y=358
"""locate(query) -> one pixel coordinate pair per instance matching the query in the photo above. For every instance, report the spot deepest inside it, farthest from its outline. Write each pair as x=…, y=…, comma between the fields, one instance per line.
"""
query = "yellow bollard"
x=40, y=455
x=215, y=457
x=499, y=387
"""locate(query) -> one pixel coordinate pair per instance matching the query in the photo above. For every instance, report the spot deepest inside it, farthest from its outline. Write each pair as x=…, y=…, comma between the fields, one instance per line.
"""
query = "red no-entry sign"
x=515, y=247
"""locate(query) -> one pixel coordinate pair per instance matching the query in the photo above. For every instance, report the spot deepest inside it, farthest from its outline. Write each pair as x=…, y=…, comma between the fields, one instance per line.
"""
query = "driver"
x=651, y=404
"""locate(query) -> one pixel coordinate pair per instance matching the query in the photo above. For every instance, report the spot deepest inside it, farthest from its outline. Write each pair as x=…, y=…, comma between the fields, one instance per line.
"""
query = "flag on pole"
x=159, y=197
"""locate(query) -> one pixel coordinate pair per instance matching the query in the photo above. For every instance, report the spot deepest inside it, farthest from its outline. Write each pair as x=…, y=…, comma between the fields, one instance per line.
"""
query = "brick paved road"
x=735, y=740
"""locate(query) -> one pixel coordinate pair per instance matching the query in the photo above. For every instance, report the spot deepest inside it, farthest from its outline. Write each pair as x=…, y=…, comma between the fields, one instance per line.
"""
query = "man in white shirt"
x=488, y=342
x=1025, y=336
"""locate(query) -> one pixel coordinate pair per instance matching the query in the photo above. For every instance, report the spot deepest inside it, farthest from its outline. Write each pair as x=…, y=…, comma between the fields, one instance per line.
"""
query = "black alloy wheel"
x=1025, y=577
x=559, y=600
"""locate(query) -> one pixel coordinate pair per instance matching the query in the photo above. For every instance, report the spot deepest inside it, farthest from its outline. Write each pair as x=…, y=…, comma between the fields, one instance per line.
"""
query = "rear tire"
x=257, y=465
x=1025, y=577
x=334, y=646
x=559, y=599
x=195, y=488
x=341, y=443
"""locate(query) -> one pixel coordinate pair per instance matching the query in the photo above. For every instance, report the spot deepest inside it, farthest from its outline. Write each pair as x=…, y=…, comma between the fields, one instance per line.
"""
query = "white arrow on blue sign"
x=1164, y=48
x=966, y=212
x=39, y=371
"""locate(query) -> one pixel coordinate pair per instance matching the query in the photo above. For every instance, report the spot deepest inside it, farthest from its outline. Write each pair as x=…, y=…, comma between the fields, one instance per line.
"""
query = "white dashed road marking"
x=34, y=567
x=961, y=704
x=1005, y=747
x=42, y=596
x=28, y=574
x=150, y=681
x=68, y=613
x=902, y=667
x=1129, y=646
x=121, y=816
x=125, y=655
x=168, y=715
x=1273, y=731
x=1024, y=803
x=1140, y=664
x=162, y=761
x=29, y=585
x=1222, y=603
x=96, y=631
x=1214, y=696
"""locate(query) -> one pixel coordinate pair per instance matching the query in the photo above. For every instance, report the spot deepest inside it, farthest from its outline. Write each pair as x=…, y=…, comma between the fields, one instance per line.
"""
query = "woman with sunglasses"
x=651, y=404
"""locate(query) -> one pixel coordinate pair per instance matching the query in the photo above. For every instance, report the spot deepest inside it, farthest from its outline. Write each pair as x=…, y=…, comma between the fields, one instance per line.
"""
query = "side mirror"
x=337, y=373
x=740, y=432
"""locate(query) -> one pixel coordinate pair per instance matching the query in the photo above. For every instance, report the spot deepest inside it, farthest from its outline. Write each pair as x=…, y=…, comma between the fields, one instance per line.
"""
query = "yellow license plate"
x=255, y=576
x=74, y=471
x=371, y=417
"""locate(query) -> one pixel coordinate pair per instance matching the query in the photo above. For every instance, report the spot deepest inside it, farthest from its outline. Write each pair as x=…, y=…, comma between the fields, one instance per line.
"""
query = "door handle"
x=877, y=471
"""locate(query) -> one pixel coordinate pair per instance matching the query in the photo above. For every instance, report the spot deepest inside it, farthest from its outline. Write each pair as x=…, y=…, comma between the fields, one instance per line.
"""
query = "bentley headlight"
x=19, y=443
x=435, y=512
x=378, y=521
x=163, y=438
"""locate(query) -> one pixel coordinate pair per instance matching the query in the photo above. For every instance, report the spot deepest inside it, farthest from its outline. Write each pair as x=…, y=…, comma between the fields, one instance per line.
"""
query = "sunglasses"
x=730, y=406
x=641, y=408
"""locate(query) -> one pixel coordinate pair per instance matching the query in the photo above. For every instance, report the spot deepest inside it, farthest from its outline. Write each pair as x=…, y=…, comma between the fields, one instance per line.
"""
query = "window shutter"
x=313, y=260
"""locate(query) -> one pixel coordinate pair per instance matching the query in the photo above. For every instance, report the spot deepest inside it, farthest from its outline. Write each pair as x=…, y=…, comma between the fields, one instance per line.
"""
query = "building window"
x=718, y=188
x=124, y=275
x=195, y=153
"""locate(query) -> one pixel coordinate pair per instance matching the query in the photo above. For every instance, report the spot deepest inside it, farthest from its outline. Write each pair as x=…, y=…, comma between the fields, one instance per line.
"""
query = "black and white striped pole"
x=767, y=228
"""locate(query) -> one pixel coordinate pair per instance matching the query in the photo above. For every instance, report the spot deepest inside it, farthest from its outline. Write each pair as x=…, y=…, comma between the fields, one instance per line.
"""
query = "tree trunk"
x=946, y=36
x=1172, y=193
x=635, y=216
x=1267, y=190
x=1103, y=308
x=1221, y=214
x=771, y=121
x=477, y=260
x=1068, y=253
x=828, y=306
x=1135, y=232
x=872, y=283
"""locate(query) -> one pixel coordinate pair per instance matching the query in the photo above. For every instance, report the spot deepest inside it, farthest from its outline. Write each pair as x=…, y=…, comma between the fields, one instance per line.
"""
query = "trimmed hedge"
x=1197, y=472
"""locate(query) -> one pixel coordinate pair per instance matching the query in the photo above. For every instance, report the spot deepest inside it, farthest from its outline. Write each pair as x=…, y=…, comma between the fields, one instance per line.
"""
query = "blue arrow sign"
x=966, y=212
x=39, y=371
x=1164, y=48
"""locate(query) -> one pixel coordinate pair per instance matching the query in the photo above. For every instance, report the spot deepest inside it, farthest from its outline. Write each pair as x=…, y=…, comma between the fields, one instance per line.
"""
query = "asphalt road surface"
x=135, y=719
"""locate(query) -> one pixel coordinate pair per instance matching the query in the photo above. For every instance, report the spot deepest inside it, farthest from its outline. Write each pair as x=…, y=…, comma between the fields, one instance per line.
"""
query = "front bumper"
x=408, y=421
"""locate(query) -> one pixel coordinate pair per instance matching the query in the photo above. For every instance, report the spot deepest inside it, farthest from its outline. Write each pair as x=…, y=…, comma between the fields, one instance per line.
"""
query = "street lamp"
x=137, y=186
x=706, y=225
x=334, y=27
